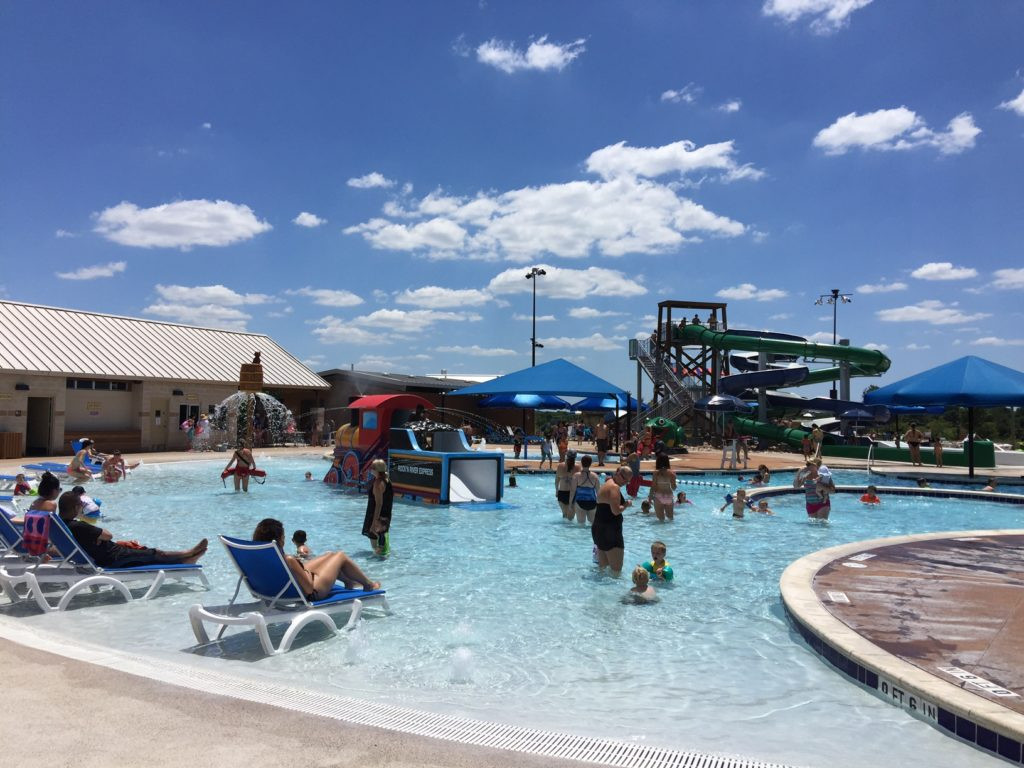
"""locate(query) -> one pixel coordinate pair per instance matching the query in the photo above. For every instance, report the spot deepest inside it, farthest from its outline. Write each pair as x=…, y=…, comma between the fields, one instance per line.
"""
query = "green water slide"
x=863, y=362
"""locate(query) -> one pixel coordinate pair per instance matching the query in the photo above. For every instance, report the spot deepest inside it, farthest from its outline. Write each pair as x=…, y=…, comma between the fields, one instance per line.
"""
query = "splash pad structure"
x=251, y=413
x=427, y=461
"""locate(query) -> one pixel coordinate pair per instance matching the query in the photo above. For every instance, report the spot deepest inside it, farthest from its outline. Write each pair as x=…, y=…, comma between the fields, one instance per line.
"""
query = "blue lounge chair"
x=76, y=569
x=263, y=570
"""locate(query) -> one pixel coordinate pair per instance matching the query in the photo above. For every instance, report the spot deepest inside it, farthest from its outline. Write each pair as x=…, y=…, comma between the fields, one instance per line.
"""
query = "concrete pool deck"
x=931, y=623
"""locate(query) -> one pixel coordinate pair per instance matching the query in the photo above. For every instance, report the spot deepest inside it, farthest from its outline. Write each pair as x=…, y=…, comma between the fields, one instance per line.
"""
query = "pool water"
x=500, y=613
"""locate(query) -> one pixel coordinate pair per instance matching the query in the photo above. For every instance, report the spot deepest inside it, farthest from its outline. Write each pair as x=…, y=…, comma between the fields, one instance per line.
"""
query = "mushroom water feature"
x=251, y=415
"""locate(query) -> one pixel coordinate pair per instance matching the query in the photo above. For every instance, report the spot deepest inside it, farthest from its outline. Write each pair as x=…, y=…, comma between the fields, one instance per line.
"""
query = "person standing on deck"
x=601, y=440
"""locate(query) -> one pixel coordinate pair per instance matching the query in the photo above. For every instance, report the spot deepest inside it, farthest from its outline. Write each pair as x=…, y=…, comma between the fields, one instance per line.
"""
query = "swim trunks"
x=602, y=443
x=813, y=509
x=562, y=496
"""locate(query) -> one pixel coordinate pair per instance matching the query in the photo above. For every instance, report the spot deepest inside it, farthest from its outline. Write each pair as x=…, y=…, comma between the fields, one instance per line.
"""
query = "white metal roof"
x=69, y=342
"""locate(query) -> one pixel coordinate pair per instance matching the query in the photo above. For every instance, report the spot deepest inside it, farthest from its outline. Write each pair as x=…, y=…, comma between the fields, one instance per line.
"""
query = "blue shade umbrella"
x=624, y=403
x=858, y=415
x=972, y=382
x=542, y=402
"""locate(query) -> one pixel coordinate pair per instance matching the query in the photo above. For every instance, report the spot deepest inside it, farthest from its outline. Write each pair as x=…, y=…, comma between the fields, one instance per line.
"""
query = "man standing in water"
x=601, y=440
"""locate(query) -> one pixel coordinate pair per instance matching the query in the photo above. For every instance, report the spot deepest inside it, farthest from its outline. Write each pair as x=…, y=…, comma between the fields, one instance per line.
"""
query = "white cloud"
x=1015, y=105
x=207, y=315
x=826, y=15
x=881, y=287
x=943, y=270
x=476, y=351
x=540, y=55
x=435, y=297
x=207, y=126
x=995, y=341
x=91, y=273
x=1009, y=279
x=182, y=224
x=780, y=316
x=617, y=215
x=374, y=327
x=914, y=346
x=281, y=312
x=596, y=342
x=540, y=318
x=733, y=105
x=895, y=129
x=63, y=233
x=682, y=157
x=821, y=337
x=586, y=313
x=931, y=311
x=221, y=295
x=326, y=297
x=750, y=291
x=371, y=181
x=879, y=347
x=310, y=220
x=687, y=94
x=334, y=330
x=563, y=283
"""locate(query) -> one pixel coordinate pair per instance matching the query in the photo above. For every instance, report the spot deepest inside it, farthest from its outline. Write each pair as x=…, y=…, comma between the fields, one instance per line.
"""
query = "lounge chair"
x=263, y=570
x=75, y=568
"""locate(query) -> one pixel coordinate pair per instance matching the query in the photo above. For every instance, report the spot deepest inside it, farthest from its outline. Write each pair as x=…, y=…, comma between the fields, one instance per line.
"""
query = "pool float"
x=244, y=472
x=666, y=571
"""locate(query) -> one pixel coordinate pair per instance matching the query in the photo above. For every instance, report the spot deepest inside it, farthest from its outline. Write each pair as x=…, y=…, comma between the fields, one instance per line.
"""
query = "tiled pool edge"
x=480, y=733
x=952, y=710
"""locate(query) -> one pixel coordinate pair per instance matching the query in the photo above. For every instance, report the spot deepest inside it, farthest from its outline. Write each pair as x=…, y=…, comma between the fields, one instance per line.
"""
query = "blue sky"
x=368, y=183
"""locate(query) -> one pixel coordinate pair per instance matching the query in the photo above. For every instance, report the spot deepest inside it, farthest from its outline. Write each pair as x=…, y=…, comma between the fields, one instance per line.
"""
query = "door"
x=39, y=426
x=158, y=426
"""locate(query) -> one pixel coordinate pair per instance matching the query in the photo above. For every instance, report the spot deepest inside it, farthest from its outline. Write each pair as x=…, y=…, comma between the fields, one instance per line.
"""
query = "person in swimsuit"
x=663, y=488
x=937, y=448
x=563, y=483
x=77, y=469
x=807, y=478
x=583, y=492
x=243, y=464
x=601, y=442
x=114, y=468
x=377, y=522
x=316, y=577
x=607, y=529
x=914, y=437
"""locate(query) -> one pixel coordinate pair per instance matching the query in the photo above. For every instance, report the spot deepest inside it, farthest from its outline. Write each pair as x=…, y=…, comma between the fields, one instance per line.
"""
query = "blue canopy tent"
x=589, y=404
x=541, y=402
x=558, y=377
x=971, y=382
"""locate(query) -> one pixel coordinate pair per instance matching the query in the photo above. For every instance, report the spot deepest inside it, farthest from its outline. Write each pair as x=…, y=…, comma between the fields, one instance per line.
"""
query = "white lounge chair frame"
x=276, y=609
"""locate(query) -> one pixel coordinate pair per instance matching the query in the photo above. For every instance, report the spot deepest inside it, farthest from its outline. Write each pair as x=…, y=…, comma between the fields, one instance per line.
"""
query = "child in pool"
x=658, y=566
x=762, y=508
x=739, y=503
x=645, y=507
x=21, y=488
x=681, y=498
x=757, y=481
x=871, y=497
x=309, y=475
x=642, y=591
x=302, y=551
x=512, y=483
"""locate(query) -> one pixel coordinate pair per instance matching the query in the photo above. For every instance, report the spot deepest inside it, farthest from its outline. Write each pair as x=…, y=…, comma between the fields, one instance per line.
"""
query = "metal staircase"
x=676, y=403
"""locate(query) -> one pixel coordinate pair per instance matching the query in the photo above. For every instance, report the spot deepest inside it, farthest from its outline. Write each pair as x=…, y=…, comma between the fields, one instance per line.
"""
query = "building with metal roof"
x=126, y=382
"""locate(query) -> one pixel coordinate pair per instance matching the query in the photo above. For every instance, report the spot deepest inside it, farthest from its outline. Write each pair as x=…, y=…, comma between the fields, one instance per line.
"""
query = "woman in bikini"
x=244, y=464
x=563, y=482
x=663, y=488
x=77, y=470
x=316, y=577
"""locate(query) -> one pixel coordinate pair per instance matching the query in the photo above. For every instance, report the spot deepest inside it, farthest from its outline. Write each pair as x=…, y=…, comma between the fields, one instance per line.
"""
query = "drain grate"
x=410, y=721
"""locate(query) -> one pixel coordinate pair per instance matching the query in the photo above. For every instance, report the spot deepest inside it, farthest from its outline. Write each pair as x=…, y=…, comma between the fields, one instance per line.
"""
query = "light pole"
x=835, y=298
x=533, y=274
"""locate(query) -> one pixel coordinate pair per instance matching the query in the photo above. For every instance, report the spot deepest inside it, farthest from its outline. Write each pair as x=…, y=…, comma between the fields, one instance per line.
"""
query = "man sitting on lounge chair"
x=98, y=542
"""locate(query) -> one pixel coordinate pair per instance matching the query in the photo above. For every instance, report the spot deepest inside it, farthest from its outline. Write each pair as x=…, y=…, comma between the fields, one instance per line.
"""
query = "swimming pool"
x=500, y=615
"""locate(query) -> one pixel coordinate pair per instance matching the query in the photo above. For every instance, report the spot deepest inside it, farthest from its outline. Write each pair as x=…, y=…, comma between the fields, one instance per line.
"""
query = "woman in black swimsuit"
x=583, y=492
x=315, y=577
x=607, y=528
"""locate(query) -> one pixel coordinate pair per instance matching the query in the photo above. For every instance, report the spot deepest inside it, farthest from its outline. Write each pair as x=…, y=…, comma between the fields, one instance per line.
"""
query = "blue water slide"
x=738, y=383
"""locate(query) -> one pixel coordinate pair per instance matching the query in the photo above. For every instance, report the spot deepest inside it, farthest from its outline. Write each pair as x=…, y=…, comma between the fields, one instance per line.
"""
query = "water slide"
x=459, y=492
x=862, y=362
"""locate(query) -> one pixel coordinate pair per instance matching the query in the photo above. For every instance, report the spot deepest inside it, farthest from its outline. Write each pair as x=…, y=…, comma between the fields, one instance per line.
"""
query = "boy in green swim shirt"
x=658, y=566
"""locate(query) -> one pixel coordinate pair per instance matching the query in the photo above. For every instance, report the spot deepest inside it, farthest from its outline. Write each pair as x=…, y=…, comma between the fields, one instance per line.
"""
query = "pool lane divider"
x=940, y=703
